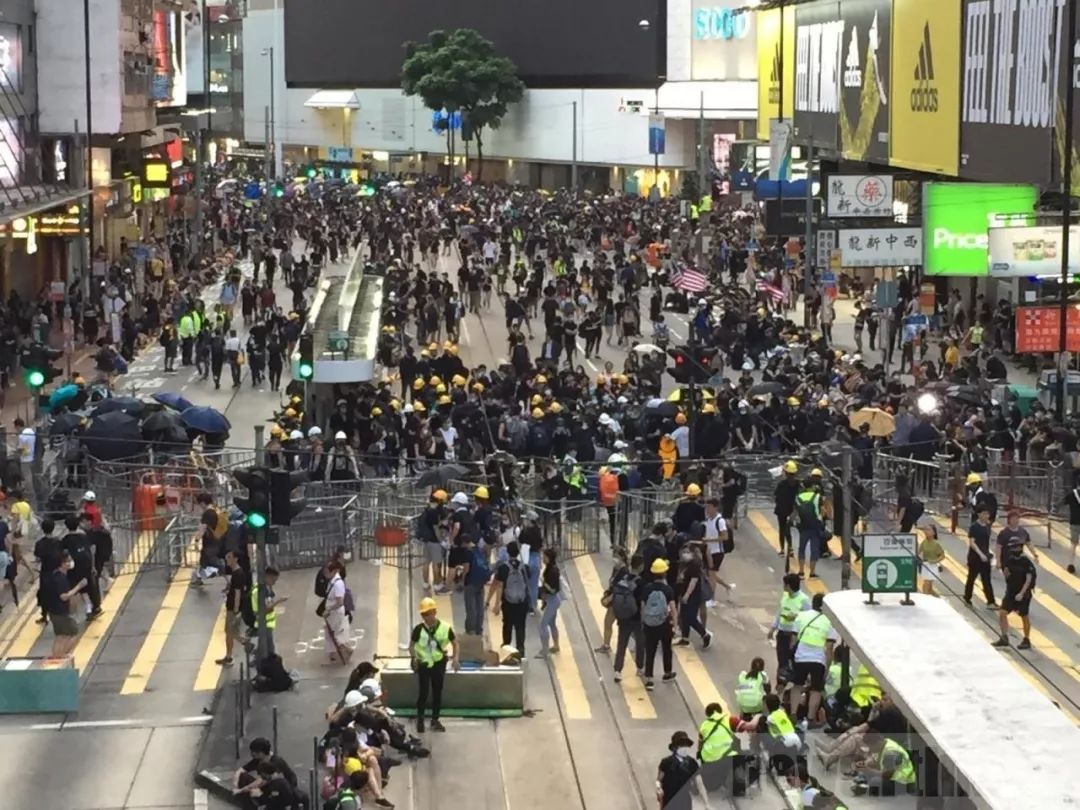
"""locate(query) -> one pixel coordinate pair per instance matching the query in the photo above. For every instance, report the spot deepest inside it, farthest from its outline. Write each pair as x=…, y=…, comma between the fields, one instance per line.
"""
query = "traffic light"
x=306, y=367
x=311, y=171
x=701, y=368
x=278, y=190
x=256, y=506
x=283, y=507
x=681, y=370
x=36, y=359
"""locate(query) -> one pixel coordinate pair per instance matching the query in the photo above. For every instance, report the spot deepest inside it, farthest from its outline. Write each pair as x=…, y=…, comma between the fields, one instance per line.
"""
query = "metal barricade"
x=575, y=528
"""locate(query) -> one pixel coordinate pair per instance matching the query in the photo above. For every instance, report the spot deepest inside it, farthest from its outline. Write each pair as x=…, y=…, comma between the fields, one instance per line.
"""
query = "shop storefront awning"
x=22, y=201
x=334, y=99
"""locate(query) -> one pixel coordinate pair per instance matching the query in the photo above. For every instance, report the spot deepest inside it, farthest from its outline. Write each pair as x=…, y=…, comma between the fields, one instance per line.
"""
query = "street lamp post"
x=271, y=139
x=1066, y=223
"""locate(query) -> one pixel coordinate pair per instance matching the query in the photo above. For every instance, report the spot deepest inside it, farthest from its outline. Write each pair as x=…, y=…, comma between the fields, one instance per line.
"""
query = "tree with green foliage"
x=460, y=72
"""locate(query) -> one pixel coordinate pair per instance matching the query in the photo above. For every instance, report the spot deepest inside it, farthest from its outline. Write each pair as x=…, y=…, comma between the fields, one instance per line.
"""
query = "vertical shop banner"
x=864, y=84
x=776, y=67
x=819, y=34
x=1012, y=60
x=656, y=134
x=1038, y=329
x=1070, y=82
x=925, y=85
x=780, y=150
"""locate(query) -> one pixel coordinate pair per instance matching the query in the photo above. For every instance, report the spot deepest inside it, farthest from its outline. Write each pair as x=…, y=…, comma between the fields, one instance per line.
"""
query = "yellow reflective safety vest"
x=186, y=328
x=865, y=688
x=431, y=647
x=750, y=692
x=791, y=604
x=705, y=206
x=271, y=614
x=832, y=680
x=717, y=741
x=976, y=335
x=813, y=629
x=905, y=771
x=780, y=724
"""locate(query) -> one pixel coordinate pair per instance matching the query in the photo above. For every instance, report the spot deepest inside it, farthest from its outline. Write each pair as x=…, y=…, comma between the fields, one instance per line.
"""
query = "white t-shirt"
x=335, y=595
x=27, y=444
x=714, y=527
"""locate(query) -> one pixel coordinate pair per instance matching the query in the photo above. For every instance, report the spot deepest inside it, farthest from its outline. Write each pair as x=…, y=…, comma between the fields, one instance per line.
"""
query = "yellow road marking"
x=389, y=620
x=146, y=659
x=16, y=620
x=446, y=610
x=111, y=604
x=772, y=537
x=206, y=679
x=633, y=690
x=568, y=677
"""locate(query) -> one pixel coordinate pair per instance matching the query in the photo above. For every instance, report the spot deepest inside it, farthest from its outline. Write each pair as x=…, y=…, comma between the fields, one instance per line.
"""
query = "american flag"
x=690, y=280
x=771, y=290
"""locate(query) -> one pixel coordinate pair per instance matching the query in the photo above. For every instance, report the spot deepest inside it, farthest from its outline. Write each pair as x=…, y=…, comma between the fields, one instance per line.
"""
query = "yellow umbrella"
x=677, y=394
x=881, y=423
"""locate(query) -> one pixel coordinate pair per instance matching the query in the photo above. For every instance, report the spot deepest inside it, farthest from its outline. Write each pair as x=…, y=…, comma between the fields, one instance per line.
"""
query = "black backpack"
x=623, y=597
x=272, y=675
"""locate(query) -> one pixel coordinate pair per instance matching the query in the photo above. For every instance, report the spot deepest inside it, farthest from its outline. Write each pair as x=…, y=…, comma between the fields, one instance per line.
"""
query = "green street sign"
x=889, y=563
x=338, y=341
x=956, y=219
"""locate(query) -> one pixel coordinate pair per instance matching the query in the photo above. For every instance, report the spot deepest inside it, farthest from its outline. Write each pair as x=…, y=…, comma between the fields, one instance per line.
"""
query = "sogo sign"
x=956, y=219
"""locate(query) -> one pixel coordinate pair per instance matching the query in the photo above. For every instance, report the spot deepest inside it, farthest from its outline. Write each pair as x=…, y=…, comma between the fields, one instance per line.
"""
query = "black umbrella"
x=66, y=423
x=766, y=388
x=441, y=476
x=129, y=405
x=162, y=421
x=112, y=436
x=965, y=393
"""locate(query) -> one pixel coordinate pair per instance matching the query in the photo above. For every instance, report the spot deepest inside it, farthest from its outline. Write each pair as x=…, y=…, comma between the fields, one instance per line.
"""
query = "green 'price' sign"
x=889, y=564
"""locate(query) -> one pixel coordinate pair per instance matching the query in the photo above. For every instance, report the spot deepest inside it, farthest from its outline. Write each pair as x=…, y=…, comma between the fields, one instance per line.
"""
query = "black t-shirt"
x=687, y=513
x=1013, y=537
x=238, y=585
x=1016, y=573
x=429, y=522
x=280, y=765
x=980, y=536
x=53, y=584
x=48, y=551
x=81, y=548
x=532, y=537
x=676, y=773
x=692, y=570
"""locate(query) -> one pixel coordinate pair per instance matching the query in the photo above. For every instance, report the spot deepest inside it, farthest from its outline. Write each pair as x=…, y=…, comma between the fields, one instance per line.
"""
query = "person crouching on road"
x=430, y=641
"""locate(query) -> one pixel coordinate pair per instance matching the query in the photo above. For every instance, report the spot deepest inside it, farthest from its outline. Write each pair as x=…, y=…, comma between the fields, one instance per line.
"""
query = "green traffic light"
x=256, y=521
x=306, y=371
x=36, y=379
x=311, y=172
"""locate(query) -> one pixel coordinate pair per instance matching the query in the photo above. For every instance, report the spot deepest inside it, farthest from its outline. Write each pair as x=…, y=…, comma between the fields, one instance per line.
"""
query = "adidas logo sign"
x=852, y=71
x=774, y=77
x=924, y=95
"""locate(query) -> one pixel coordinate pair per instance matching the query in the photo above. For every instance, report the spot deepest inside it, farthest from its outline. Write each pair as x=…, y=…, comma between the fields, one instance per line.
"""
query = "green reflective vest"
x=186, y=328
x=271, y=614
x=706, y=203
x=717, y=740
x=791, y=604
x=197, y=318
x=750, y=692
x=864, y=688
x=780, y=724
x=813, y=628
x=905, y=771
x=431, y=647
x=832, y=680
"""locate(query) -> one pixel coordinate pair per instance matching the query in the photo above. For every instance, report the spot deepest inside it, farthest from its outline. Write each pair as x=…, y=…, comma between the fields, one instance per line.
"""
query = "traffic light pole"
x=260, y=613
x=692, y=409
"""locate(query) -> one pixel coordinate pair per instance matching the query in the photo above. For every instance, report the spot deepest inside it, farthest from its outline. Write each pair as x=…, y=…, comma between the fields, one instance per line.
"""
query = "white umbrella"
x=646, y=348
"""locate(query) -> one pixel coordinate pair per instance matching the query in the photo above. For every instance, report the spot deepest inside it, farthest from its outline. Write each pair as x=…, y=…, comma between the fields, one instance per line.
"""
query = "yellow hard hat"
x=601, y=379
x=823, y=402
x=537, y=413
x=761, y=312
x=290, y=413
x=453, y=350
x=659, y=566
x=425, y=353
x=440, y=388
x=419, y=406
x=427, y=605
x=459, y=381
x=817, y=473
x=540, y=379
x=445, y=399
x=974, y=478
x=680, y=418
x=623, y=379
x=448, y=345
x=376, y=411
x=693, y=490
x=478, y=387
x=708, y=407
x=433, y=346
x=395, y=404
x=793, y=402
x=389, y=329
x=276, y=430
x=435, y=380
x=555, y=407
x=790, y=466
x=418, y=383
x=481, y=493
x=536, y=399
x=440, y=495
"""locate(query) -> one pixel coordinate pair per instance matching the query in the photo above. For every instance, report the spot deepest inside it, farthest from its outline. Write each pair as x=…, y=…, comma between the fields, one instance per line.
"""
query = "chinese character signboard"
x=1038, y=329
x=888, y=564
x=826, y=243
x=856, y=195
x=881, y=247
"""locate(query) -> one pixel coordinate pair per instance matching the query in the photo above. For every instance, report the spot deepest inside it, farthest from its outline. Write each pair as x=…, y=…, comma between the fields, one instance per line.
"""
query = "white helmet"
x=622, y=400
x=314, y=431
x=89, y=496
x=296, y=434
x=355, y=698
x=604, y=419
x=460, y=498
x=616, y=458
x=340, y=435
